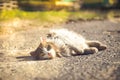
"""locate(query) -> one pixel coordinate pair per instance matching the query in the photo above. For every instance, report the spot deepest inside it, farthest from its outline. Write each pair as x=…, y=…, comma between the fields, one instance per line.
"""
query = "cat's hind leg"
x=96, y=44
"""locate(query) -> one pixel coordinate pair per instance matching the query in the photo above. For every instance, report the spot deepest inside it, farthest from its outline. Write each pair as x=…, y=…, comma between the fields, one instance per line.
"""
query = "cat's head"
x=46, y=50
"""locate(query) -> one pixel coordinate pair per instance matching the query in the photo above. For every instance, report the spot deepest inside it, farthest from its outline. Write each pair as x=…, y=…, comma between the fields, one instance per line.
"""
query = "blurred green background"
x=17, y=15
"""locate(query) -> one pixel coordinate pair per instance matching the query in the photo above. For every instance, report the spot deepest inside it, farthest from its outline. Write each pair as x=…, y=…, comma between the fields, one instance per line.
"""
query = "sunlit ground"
x=17, y=20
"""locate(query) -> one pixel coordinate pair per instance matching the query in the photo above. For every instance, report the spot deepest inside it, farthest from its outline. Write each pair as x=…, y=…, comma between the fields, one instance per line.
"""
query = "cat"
x=63, y=42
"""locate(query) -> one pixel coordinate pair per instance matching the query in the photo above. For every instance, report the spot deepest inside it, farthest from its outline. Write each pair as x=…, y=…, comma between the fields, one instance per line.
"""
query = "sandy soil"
x=17, y=64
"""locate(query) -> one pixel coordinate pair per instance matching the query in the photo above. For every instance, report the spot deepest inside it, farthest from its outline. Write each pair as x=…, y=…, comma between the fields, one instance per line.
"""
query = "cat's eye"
x=48, y=47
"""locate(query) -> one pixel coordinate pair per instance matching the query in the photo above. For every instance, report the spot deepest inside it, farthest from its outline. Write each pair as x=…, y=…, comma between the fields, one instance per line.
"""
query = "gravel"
x=17, y=64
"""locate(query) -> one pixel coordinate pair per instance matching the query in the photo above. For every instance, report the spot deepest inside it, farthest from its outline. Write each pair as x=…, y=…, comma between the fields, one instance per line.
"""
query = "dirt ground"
x=17, y=64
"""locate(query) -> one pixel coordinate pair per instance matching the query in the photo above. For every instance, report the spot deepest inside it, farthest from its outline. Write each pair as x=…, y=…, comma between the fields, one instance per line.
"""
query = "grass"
x=51, y=17
x=46, y=16
x=43, y=16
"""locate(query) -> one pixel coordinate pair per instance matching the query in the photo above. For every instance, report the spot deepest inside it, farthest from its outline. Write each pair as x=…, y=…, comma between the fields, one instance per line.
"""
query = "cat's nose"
x=50, y=55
